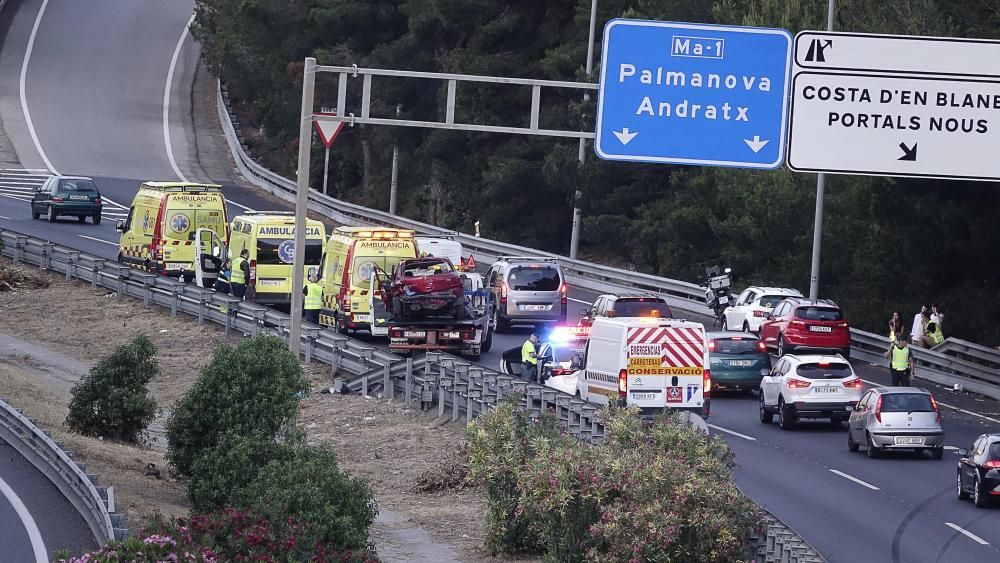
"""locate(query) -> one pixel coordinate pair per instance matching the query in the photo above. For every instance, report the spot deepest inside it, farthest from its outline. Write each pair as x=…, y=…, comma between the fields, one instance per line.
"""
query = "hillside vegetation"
x=890, y=244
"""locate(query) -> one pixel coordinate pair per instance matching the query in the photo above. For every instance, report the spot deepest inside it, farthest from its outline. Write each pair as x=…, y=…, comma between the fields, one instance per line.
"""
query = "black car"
x=979, y=470
x=67, y=195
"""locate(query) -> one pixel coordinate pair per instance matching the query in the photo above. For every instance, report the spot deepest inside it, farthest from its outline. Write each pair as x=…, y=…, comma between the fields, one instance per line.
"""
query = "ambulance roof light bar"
x=384, y=234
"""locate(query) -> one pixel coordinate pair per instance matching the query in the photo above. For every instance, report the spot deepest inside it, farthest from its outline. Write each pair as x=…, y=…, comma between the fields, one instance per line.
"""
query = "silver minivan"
x=896, y=418
x=527, y=290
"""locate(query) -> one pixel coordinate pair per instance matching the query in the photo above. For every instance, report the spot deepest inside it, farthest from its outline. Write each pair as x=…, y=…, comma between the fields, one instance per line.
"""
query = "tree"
x=250, y=389
x=113, y=400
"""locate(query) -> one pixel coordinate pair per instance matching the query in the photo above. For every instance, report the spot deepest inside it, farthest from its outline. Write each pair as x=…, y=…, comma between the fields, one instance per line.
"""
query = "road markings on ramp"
x=967, y=533
x=856, y=480
x=580, y=301
x=728, y=431
x=245, y=208
x=34, y=536
x=24, y=98
x=98, y=240
x=166, y=100
x=5, y=217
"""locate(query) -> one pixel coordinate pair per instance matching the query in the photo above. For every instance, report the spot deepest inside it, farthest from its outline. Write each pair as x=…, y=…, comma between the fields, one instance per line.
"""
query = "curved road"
x=95, y=86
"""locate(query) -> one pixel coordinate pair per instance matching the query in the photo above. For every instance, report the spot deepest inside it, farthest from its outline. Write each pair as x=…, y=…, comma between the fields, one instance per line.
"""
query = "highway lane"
x=53, y=521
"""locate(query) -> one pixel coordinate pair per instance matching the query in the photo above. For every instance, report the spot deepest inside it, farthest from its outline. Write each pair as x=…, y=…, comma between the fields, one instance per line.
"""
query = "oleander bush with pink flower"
x=650, y=491
x=224, y=536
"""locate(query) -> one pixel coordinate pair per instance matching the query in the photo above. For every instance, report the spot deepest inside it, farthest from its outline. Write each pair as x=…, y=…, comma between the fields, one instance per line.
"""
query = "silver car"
x=527, y=291
x=896, y=418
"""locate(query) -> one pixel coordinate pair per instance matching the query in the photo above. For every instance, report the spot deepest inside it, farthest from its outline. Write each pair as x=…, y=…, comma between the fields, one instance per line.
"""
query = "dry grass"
x=14, y=278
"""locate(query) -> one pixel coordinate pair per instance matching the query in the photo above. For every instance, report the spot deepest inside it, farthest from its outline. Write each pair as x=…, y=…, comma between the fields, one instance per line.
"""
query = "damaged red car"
x=422, y=287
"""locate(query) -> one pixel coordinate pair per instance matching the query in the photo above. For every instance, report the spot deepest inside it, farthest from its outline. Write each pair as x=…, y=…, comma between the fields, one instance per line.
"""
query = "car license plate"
x=269, y=283
x=534, y=307
x=826, y=389
x=178, y=266
x=415, y=334
x=740, y=363
x=820, y=329
x=362, y=318
x=723, y=300
x=909, y=440
x=79, y=198
x=644, y=396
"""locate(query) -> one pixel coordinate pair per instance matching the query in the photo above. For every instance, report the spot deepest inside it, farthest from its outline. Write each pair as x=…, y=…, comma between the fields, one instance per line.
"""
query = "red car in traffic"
x=423, y=287
x=797, y=323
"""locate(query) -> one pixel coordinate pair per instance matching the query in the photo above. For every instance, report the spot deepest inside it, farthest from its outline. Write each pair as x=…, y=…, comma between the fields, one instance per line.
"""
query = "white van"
x=440, y=247
x=652, y=363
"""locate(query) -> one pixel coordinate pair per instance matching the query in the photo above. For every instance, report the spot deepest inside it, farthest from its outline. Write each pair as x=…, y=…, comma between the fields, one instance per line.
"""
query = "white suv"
x=753, y=306
x=809, y=386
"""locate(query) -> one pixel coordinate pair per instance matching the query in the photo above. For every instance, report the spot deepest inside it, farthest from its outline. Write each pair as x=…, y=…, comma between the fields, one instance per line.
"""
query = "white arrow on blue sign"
x=698, y=94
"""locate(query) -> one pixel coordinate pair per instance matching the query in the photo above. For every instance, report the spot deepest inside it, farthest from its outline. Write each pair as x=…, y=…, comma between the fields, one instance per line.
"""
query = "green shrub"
x=249, y=389
x=112, y=400
x=311, y=488
x=502, y=444
x=228, y=535
x=221, y=472
x=651, y=491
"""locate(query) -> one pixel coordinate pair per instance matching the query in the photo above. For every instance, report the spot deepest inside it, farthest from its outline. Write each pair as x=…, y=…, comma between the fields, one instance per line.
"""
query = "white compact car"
x=753, y=305
x=809, y=386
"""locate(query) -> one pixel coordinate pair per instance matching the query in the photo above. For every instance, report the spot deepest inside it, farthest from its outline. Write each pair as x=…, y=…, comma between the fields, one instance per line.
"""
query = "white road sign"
x=895, y=106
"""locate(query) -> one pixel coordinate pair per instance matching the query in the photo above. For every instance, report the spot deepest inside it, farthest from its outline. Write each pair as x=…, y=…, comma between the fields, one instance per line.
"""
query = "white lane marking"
x=954, y=448
x=580, y=301
x=17, y=197
x=967, y=533
x=5, y=217
x=34, y=536
x=24, y=98
x=98, y=240
x=166, y=100
x=953, y=407
x=245, y=208
x=113, y=202
x=855, y=479
x=728, y=431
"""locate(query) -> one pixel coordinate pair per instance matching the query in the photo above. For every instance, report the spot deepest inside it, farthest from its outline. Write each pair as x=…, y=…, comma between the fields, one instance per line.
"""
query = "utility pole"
x=301, y=204
x=820, y=193
x=574, y=241
x=394, y=182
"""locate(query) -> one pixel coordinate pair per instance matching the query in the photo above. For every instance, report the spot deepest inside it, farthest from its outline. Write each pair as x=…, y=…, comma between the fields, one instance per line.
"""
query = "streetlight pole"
x=820, y=193
x=574, y=241
x=301, y=204
x=394, y=181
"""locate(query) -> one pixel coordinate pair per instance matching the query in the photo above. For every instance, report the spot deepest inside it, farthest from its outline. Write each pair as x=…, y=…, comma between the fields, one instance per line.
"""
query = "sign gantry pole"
x=301, y=204
x=820, y=194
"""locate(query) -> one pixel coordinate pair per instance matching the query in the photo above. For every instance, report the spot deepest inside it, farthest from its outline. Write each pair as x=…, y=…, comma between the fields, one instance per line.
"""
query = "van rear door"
x=665, y=367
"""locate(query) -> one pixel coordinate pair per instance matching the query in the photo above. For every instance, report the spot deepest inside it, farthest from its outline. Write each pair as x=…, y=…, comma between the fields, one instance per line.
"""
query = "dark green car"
x=739, y=360
x=67, y=195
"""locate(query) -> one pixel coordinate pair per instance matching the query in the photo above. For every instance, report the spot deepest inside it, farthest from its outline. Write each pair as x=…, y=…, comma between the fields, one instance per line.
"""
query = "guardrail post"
x=408, y=380
x=47, y=254
x=74, y=257
x=338, y=343
x=458, y=389
x=387, y=384
x=19, y=245
x=311, y=334
x=123, y=277
x=445, y=383
x=96, y=272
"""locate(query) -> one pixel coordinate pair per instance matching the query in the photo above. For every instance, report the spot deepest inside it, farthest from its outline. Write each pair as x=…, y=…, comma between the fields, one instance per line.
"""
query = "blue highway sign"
x=697, y=94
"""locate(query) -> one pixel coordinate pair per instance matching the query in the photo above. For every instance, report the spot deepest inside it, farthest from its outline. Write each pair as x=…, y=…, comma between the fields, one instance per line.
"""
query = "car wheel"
x=341, y=327
x=978, y=498
x=97, y=219
x=746, y=327
x=503, y=325
x=487, y=344
x=938, y=453
x=52, y=214
x=34, y=214
x=81, y=218
x=962, y=495
x=785, y=419
x=766, y=416
x=872, y=451
x=852, y=446
x=781, y=345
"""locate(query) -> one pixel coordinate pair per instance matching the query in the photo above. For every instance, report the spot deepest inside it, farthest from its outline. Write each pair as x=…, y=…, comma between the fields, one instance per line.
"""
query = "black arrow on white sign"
x=908, y=153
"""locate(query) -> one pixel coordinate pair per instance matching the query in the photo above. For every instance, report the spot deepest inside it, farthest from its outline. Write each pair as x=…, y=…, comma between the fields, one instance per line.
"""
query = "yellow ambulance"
x=352, y=255
x=158, y=234
x=269, y=237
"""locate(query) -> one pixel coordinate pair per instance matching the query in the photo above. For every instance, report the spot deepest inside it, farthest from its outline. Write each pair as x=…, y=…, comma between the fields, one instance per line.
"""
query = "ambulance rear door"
x=380, y=316
x=212, y=254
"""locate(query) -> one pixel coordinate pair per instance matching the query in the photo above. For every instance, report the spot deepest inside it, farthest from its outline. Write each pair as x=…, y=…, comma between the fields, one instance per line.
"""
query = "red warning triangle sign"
x=471, y=264
x=328, y=130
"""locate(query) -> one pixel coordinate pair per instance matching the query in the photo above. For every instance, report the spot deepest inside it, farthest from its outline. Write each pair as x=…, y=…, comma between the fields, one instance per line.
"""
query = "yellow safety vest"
x=900, y=358
x=526, y=351
x=936, y=337
x=237, y=275
x=314, y=296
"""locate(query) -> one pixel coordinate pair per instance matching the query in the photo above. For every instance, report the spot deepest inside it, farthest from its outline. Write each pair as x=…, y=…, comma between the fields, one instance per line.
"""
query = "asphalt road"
x=95, y=91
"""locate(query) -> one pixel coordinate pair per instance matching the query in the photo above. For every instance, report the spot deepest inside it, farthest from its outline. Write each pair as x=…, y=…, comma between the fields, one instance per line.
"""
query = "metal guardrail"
x=458, y=389
x=95, y=504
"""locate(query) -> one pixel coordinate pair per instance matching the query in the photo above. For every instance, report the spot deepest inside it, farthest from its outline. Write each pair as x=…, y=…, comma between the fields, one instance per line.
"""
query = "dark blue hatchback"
x=738, y=360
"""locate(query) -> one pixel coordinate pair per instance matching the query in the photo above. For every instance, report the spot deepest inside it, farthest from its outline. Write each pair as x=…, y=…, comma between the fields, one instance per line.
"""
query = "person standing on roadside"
x=919, y=326
x=240, y=274
x=936, y=315
x=529, y=358
x=895, y=326
x=900, y=363
x=313, y=301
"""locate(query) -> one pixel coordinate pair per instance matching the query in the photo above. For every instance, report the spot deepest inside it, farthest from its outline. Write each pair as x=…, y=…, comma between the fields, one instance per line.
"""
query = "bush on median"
x=113, y=399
